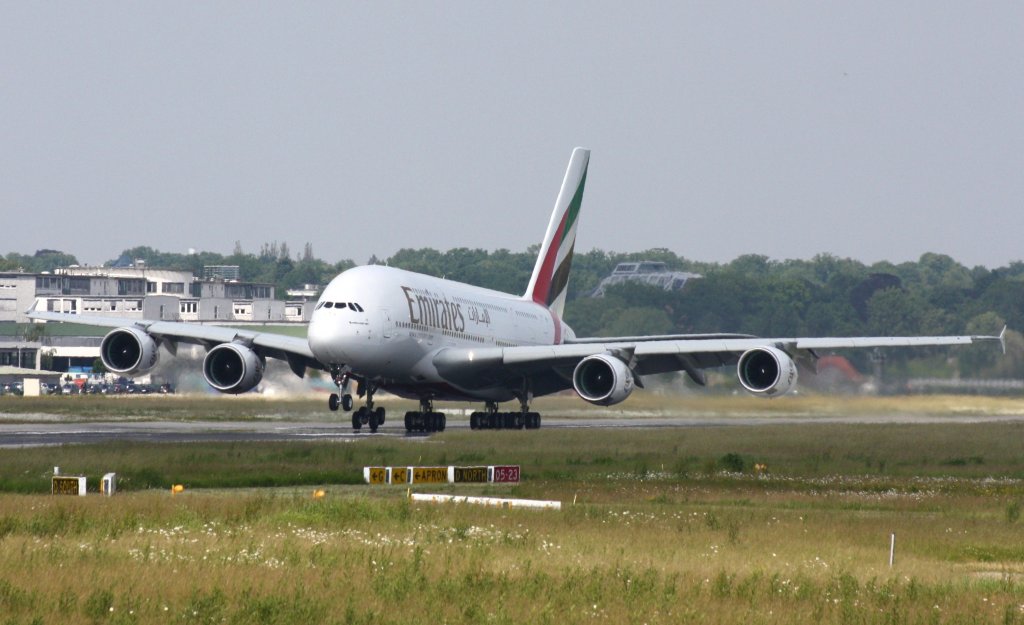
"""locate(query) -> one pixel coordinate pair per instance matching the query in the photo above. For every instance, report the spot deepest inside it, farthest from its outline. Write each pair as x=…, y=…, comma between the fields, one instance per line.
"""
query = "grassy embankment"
x=665, y=529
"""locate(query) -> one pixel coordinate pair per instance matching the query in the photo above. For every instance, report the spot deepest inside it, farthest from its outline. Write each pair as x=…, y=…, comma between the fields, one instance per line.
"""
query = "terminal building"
x=134, y=292
x=144, y=293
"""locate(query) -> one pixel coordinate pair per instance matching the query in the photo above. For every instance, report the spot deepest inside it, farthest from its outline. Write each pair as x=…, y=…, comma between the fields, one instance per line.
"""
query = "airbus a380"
x=432, y=339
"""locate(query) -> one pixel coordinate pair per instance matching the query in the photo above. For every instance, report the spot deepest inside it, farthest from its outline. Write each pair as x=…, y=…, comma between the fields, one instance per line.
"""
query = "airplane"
x=431, y=339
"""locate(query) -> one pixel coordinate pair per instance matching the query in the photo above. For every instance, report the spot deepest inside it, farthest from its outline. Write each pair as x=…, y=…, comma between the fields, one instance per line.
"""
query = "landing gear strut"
x=344, y=400
x=368, y=415
x=491, y=419
x=425, y=420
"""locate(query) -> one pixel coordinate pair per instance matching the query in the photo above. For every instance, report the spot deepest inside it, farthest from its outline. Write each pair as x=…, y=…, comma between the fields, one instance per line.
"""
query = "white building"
x=126, y=292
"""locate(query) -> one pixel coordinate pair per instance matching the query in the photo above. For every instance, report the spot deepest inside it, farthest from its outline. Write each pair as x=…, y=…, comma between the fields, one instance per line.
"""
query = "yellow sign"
x=470, y=474
x=399, y=475
x=377, y=475
x=430, y=475
x=67, y=485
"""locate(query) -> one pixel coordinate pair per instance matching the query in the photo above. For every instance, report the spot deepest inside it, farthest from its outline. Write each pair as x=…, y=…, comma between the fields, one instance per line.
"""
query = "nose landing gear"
x=334, y=402
x=343, y=382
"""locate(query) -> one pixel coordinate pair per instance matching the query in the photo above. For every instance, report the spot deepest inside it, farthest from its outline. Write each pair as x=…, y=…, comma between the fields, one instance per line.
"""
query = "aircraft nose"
x=325, y=341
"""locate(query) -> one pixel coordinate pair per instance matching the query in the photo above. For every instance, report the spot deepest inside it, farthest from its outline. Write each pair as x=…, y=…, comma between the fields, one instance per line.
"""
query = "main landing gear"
x=366, y=415
x=425, y=420
x=491, y=419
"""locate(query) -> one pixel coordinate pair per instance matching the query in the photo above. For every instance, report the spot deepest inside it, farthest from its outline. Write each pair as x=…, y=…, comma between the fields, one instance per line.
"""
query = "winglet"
x=1002, y=339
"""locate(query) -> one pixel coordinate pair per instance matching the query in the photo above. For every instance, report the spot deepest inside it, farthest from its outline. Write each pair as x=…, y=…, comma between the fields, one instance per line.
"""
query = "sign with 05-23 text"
x=508, y=474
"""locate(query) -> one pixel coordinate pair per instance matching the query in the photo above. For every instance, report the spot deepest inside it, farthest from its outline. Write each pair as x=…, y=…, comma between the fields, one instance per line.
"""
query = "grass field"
x=666, y=525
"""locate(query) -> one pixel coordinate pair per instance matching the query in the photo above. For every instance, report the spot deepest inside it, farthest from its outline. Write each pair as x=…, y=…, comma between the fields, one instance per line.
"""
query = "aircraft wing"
x=551, y=365
x=295, y=350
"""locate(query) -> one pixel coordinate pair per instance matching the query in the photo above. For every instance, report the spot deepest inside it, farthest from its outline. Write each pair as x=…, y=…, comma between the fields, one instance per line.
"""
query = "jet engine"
x=766, y=371
x=129, y=351
x=602, y=379
x=233, y=368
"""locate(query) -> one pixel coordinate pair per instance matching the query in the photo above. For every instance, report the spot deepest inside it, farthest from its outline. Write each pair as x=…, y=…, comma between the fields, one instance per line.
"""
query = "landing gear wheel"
x=346, y=402
x=409, y=421
x=376, y=419
x=333, y=402
x=357, y=420
x=442, y=421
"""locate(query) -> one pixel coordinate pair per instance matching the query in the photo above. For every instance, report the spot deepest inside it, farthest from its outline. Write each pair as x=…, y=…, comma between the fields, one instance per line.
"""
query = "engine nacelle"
x=602, y=379
x=233, y=368
x=767, y=371
x=129, y=351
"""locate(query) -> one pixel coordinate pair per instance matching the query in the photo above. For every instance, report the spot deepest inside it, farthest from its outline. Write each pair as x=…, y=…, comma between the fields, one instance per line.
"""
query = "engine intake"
x=767, y=371
x=602, y=379
x=129, y=351
x=233, y=368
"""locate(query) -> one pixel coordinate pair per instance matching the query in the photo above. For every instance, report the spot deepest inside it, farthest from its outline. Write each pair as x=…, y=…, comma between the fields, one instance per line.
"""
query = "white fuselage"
x=386, y=324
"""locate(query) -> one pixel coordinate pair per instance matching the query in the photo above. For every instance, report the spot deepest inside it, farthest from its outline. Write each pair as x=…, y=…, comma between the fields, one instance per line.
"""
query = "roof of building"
x=27, y=373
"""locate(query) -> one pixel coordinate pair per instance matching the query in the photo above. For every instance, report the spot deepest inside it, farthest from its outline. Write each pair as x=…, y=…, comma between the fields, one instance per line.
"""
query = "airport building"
x=144, y=293
x=133, y=292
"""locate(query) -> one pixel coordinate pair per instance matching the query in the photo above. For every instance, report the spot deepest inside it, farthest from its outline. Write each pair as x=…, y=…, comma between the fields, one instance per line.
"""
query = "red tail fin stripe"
x=558, y=327
x=541, y=290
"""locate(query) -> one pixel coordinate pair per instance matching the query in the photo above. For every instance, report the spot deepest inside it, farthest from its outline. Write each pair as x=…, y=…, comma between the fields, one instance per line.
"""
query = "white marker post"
x=892, y=548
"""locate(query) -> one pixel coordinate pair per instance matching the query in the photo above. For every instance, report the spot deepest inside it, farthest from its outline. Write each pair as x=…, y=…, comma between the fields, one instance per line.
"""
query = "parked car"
x=99, y=388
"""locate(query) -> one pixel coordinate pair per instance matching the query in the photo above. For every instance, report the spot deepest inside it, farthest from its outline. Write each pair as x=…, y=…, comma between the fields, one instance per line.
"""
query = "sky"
x=870, y=130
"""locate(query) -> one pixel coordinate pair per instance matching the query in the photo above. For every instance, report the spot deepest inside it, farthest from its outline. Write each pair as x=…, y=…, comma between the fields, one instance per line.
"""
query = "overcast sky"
x=872, y=131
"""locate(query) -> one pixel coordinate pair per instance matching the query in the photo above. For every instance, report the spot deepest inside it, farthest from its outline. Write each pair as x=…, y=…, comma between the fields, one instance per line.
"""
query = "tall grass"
x=670, y=525
x=281, y=557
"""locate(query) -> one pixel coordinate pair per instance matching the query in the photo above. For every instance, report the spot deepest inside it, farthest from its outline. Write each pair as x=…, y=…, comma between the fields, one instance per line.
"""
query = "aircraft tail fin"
x=550, y=280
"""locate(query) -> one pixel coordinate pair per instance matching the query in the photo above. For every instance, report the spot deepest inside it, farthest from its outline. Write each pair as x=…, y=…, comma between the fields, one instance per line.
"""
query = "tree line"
x=753, y=294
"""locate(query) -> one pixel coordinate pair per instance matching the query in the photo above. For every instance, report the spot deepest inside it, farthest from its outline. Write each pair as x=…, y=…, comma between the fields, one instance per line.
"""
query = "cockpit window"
x=340, y=305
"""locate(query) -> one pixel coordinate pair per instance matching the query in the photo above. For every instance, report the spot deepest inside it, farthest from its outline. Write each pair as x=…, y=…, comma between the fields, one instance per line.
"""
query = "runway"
x=50, y=432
